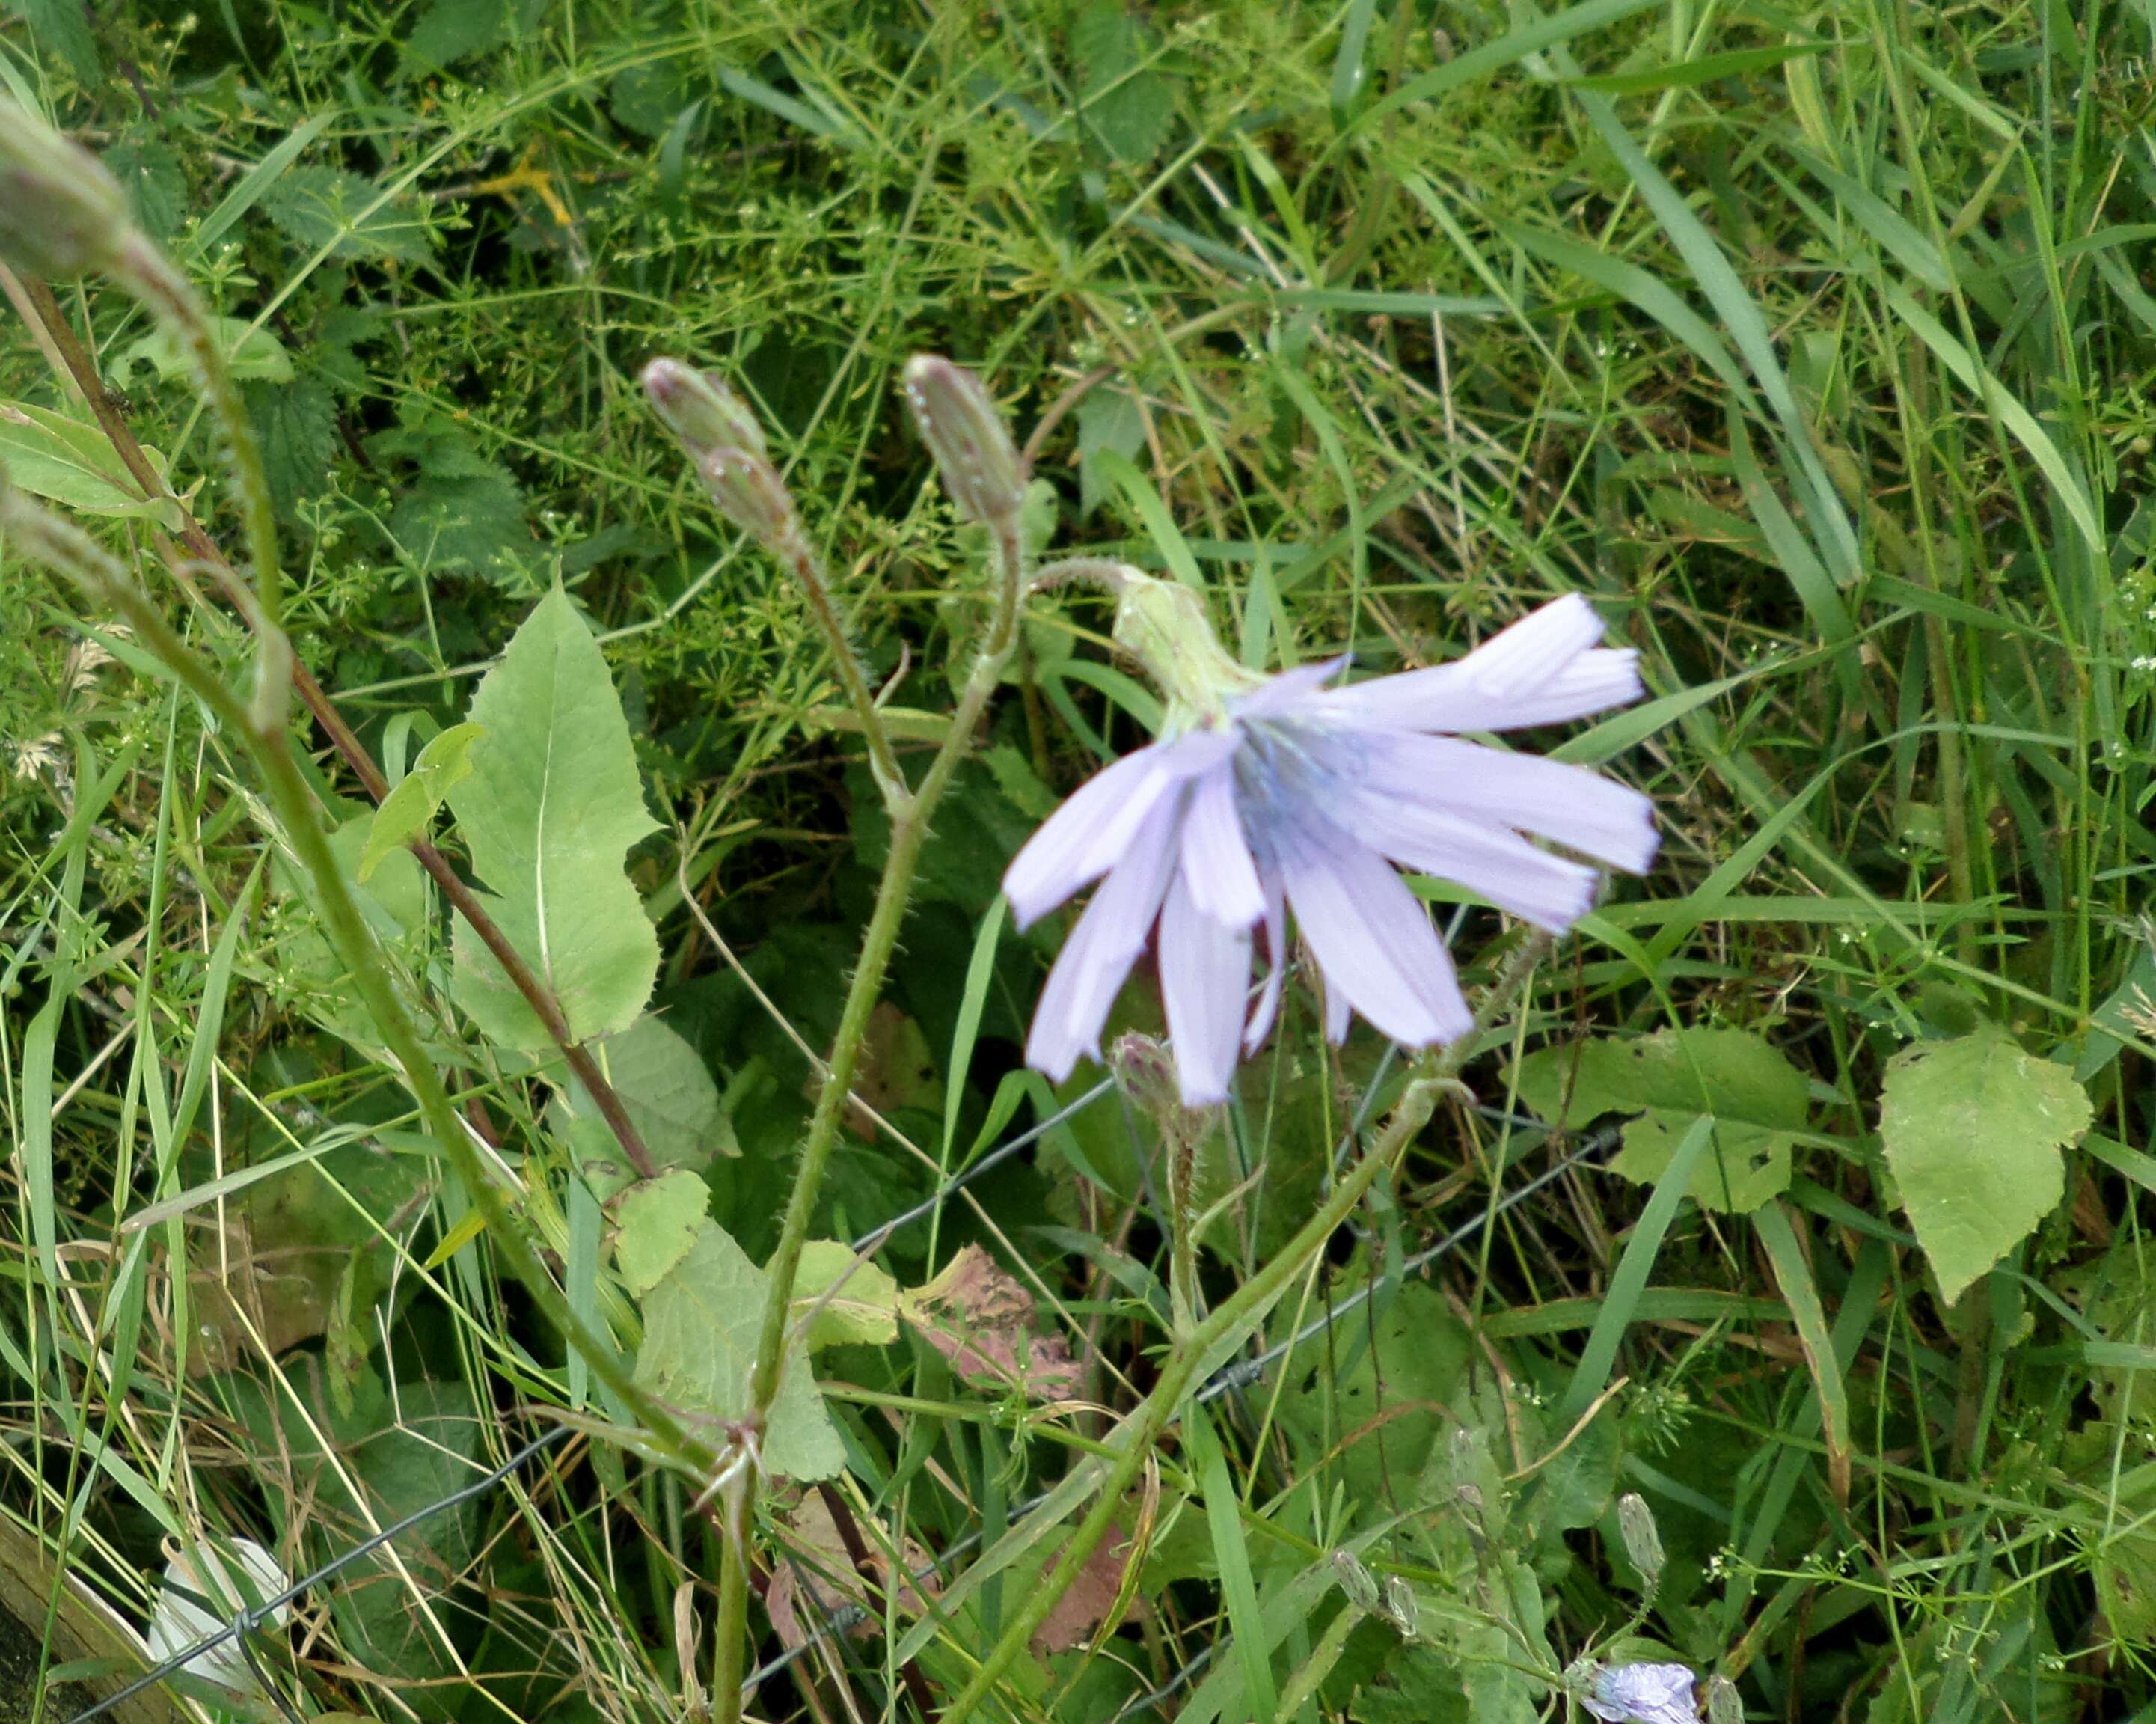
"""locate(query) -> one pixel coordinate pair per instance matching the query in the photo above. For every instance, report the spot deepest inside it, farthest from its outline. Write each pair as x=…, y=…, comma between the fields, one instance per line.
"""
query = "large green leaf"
x=1973, y=1128
x=549, y=811
x=1756, y=1099
x=700, y=1321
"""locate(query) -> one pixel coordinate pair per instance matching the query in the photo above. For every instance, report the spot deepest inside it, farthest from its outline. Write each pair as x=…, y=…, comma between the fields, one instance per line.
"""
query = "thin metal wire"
x=1230, y=1378
x=1240, y=1375
x=246, y=1622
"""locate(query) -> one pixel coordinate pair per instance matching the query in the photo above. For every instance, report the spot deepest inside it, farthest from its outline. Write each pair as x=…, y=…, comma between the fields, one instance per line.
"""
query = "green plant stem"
x=909, y=829
x=809, y=569
x=171, y=297
x=1135, y=1438
x=40, y=534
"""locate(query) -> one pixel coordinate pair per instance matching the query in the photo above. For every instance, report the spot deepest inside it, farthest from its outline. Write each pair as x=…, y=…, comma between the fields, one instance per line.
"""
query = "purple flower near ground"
x=1642, y=1694
x=1264, y=795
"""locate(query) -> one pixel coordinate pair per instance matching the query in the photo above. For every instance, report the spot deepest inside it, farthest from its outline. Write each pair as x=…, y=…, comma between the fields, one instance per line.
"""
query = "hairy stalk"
x=1134, y=1439
x=808, y=570
x=909, y=828
x=460, y=897
x=148, y=274
x=41, y=535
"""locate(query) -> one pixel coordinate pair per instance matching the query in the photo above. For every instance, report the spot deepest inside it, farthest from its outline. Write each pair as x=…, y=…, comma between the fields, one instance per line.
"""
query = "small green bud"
x=750, y=493
x=1724, y=1705
x=699, y=410
x=61, y=213
x=963, y=429
x=1163, y=624
x=1643, y=1539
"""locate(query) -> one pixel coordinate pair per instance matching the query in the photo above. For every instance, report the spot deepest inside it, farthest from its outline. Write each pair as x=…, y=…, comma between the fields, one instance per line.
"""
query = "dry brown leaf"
x=814, y=1563
x=1083, y=1609
x=979, y=1317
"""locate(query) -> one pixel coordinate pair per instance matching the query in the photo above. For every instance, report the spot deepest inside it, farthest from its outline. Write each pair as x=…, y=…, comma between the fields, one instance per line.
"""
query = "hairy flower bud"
x=750, y=493
x=1643, y=1539
x=1724, y=1705
x=964, y=431
x=699, y=410
x=61, y=213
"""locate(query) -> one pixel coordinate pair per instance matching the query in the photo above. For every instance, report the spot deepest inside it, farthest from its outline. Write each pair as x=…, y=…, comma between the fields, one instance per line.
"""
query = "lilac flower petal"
x=1268, y=1006
x=1643, y=1694
x=1089, y=972
x=1521, y=880
x=1216, y=856
x=1581, y=809
x=1372, y=939
x=1205, y=973
x=1082, y=840
x=1285, y=691
x=1544, y=669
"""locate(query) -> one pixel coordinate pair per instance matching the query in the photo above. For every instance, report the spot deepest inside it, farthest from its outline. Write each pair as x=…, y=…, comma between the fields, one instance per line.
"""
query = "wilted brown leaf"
x=980, y=1318
x=814, y=1563
x=1084, y=1609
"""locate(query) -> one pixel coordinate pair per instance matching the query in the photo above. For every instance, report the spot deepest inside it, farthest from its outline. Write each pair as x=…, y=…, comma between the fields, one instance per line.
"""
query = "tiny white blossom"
x=1642, y=1694
x=1267, y=794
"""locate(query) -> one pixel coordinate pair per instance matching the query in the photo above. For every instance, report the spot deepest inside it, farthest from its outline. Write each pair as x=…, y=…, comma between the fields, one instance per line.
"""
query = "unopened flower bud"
x=1724, y=1705
x=963, y=429
x=702, y=412
x=61, y=213
x=1643, y=1539
x=750, y=493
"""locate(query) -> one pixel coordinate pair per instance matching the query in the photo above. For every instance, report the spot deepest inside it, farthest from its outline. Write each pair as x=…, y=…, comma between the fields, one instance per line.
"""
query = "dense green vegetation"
x=1814, y=346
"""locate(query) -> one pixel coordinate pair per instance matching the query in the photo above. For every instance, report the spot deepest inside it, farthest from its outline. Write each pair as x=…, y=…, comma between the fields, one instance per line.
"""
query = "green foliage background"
x=1814, y=346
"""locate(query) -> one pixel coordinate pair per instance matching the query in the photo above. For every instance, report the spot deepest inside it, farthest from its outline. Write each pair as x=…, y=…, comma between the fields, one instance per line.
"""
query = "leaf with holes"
x=551, y=807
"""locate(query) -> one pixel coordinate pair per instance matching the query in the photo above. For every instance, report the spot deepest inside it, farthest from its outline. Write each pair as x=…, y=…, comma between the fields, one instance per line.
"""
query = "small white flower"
x=1642, y=1694
x=1267, y=794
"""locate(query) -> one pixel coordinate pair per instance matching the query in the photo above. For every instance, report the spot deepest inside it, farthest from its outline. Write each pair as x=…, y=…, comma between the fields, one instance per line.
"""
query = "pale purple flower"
x=1642, y=1694
x=1267, y=795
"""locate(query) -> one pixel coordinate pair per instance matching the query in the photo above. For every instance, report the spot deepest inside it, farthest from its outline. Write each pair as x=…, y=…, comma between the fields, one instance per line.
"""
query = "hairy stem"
x=883, y=763
x=460, y=897
x=171, y=297
x=1143, y=1427
x=909, y=828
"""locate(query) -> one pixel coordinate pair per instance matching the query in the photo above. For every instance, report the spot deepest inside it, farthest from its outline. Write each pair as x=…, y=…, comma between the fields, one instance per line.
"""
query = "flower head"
x=1267, y=795
x=1641, y=1694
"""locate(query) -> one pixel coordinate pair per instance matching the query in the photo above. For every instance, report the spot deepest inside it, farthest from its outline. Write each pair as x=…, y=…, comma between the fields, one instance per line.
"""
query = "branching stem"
x=909, y=828
x=460, y=897
x=1135, y=1438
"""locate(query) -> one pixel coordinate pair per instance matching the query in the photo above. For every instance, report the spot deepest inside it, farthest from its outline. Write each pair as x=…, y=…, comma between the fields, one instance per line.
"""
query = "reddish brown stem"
x=462, y=899
x=857, y=1552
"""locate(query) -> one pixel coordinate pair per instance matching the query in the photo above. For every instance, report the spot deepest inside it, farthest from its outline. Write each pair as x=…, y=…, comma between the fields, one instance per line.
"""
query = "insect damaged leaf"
x=980, y=1318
